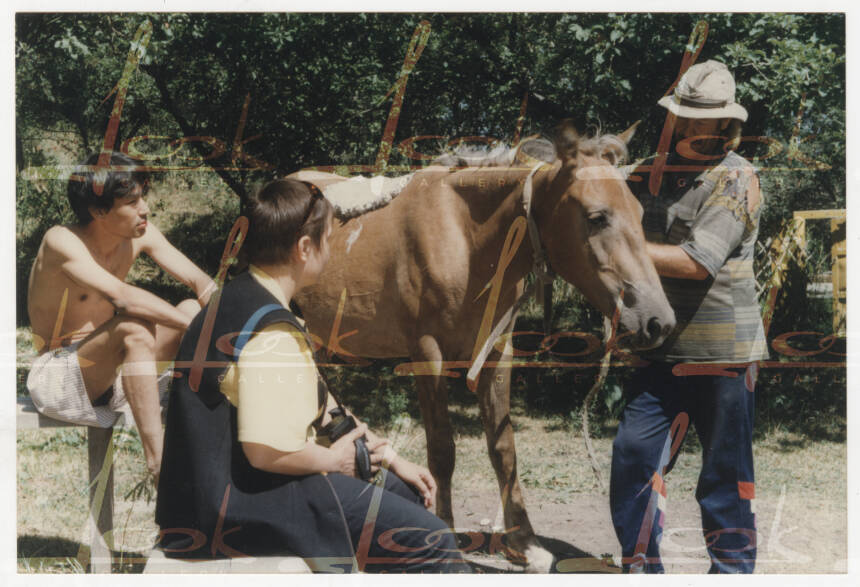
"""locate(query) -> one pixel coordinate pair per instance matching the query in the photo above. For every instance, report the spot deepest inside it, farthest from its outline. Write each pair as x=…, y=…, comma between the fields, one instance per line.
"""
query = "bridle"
x=544, y=276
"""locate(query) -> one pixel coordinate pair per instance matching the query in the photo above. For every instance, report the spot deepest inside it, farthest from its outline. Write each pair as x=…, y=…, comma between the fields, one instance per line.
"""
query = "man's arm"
x=673, y=261
x=78, y=264
x=717, y=230
x=176, y=264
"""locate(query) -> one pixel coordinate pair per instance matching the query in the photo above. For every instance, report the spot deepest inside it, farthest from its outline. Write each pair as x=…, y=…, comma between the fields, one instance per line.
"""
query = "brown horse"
x=416, y=272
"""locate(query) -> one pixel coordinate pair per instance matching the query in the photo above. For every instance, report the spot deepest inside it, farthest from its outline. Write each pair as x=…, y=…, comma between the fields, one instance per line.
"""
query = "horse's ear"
x=627, y=135
x=566, y=140
x=613, y=148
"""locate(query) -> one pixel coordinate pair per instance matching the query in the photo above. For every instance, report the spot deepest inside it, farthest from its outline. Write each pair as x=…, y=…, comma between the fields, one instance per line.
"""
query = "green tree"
x=278, y=92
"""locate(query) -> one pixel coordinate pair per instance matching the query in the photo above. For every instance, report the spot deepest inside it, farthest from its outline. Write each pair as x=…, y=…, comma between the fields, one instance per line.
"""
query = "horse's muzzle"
x=648, y=331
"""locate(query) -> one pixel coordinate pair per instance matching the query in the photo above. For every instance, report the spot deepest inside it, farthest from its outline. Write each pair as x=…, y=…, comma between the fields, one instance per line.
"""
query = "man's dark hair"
x=119, y=180
x=733, y=133
x=279, y=214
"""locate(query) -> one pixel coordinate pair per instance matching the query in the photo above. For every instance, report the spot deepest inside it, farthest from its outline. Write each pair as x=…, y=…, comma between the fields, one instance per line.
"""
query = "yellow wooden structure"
x=791, y=244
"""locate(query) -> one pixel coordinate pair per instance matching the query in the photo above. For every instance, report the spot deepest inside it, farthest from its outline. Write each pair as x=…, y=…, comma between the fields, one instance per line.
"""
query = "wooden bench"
x=100, y=455
x=97, y=554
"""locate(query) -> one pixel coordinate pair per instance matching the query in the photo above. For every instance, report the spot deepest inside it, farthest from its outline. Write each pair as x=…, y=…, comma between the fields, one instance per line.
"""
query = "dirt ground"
x=801, y=501
x=800, y=505
x=794, y=535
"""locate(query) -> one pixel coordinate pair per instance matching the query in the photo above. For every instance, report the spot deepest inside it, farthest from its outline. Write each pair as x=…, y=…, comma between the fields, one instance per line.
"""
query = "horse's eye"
x=598, y=220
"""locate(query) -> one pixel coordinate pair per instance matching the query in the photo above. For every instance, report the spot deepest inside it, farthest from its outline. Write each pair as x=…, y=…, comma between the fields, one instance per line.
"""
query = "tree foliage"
x=316, y=84
x=277, y=92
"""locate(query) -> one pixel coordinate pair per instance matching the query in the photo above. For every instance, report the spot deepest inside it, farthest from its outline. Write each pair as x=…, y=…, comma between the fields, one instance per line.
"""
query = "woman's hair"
x=118, y=178
x=279, y=214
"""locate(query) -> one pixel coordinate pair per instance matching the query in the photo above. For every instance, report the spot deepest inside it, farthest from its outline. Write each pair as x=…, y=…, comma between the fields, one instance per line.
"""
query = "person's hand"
x=376, y=446
x=372, y=438
x=344, y=451
x=418, y=477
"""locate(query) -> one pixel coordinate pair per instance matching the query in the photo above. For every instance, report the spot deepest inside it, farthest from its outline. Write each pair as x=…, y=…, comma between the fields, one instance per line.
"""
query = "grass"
x=53, y=497
x=553, y=465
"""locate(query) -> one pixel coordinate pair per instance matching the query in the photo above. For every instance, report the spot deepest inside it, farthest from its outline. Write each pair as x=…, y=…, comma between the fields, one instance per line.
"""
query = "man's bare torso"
x=85, y=309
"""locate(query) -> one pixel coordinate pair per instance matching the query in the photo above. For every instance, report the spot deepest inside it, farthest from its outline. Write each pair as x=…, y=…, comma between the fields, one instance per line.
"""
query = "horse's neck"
x=494, y=233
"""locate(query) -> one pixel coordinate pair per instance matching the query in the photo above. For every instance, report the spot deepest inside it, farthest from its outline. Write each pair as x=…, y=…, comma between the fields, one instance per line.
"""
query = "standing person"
x=88, y=323
x=701, y=229
x=242, y=453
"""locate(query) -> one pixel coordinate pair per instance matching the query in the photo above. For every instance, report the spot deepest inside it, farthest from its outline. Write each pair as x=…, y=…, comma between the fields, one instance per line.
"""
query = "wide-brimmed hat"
x=706, y=90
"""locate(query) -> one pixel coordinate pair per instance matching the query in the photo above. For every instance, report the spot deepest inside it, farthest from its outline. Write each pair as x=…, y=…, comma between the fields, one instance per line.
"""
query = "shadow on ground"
x=487, y=553
x=52, y=554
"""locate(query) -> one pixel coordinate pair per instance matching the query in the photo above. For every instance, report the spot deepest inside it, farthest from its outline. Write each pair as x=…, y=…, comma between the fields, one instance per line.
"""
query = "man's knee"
x=627, y=446
x=189, y=307
x=136, y=333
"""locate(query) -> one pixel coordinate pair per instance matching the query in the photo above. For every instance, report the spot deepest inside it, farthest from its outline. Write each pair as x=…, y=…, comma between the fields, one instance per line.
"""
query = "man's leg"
x=640, y=454
x=398, y=535
x=724, y=422
x=167, y=339
x=135, y=345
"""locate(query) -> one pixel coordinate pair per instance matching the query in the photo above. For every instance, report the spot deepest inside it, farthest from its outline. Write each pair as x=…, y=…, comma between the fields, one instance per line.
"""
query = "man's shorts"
x=57, y=389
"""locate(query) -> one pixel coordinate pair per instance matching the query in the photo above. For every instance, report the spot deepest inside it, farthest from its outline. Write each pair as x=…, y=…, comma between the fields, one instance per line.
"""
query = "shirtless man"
x=98, y=337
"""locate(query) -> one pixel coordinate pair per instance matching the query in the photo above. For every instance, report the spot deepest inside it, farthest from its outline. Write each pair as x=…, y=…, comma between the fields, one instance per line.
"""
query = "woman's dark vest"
x=211, y=502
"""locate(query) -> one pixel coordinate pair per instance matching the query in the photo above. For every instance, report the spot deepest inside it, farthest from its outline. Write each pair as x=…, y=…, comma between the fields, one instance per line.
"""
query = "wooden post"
x=839, y=275
x=100, y=519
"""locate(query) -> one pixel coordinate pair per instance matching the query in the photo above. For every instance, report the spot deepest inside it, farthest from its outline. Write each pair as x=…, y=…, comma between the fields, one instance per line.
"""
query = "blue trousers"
x=650, y=433
x=391, y=530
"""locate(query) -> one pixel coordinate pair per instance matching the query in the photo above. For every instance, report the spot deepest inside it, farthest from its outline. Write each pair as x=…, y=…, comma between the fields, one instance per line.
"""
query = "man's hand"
x=204, y=296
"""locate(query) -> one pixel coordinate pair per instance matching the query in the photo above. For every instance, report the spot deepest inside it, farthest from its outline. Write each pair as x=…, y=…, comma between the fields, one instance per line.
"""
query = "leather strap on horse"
x=543, y=274
x=541, y=266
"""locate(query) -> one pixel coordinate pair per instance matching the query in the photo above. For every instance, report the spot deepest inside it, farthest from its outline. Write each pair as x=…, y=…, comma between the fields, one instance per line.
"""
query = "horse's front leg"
x=433, y=401
x=494, y=386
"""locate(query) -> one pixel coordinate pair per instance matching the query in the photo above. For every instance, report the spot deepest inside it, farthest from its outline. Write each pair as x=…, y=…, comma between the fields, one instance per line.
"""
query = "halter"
x=541, y=267
x=543, y=273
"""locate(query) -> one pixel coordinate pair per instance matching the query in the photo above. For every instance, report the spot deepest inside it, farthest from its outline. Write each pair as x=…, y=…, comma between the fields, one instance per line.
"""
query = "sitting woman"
x=243, y=472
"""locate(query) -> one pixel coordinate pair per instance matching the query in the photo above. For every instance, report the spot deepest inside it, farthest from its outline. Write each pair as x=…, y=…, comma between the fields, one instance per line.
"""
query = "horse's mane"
x=478, y=156
x=360, y=195
x=530, y=150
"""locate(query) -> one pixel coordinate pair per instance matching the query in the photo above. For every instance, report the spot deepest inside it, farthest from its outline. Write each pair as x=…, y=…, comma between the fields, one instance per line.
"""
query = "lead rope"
x=610, y=327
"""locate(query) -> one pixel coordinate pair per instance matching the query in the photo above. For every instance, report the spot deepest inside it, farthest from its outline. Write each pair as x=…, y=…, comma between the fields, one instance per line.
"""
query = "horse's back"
x=395, y=264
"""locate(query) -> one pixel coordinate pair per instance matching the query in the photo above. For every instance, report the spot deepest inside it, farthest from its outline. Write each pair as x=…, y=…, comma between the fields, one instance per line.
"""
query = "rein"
x=544, y=277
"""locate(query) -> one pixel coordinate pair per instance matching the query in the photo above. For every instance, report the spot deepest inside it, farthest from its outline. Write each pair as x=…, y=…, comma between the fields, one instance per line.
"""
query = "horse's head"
x=591, y=226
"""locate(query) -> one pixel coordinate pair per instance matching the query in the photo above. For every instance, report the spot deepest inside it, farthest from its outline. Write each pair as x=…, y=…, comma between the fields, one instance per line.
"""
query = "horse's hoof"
x=539, y=560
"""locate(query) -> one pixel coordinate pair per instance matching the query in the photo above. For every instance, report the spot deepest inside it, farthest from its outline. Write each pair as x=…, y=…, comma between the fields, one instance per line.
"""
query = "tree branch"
x=188, y=130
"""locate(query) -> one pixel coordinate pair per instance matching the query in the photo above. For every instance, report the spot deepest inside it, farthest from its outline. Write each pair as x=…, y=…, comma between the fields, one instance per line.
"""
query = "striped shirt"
x=709, y=216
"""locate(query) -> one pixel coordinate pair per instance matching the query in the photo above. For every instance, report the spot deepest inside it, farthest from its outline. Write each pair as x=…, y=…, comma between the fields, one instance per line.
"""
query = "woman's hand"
x=377, y=448
x=418, y=477
x=344, y=451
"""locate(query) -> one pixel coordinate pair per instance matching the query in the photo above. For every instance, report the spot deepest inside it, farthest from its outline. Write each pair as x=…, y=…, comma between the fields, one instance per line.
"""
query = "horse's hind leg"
x=433, y=400
x=494, y=387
